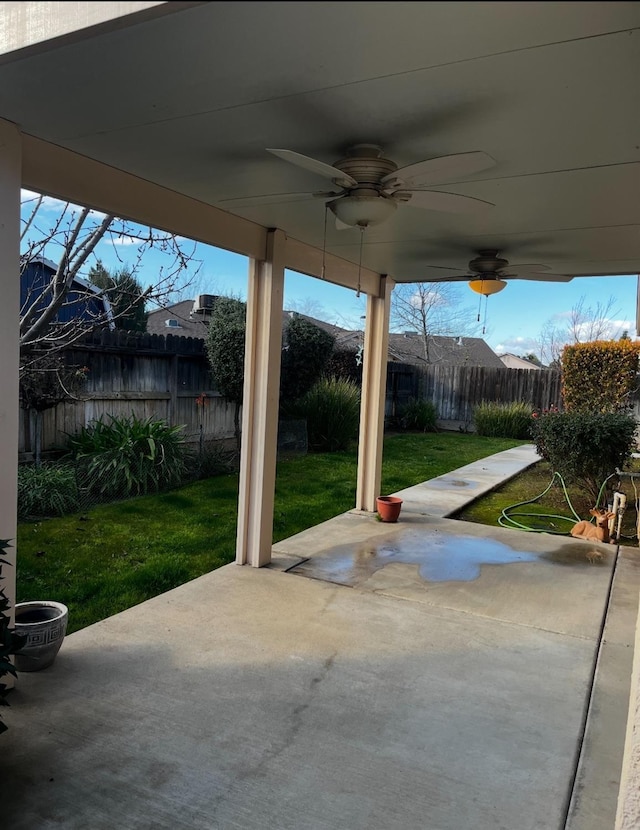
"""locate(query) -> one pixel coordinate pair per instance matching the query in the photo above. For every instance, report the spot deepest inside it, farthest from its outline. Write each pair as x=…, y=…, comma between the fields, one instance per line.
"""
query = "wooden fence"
x=162, y=376
x=144, y=375
x=455, y=390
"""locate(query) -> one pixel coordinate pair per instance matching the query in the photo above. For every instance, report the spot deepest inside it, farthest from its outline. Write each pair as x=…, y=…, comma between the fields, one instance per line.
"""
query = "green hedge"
x=599, y=376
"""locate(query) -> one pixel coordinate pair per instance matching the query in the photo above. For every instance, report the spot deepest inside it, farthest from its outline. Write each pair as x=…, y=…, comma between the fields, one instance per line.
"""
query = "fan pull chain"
x=324, y=241
x=362, y=229
x=484, y=324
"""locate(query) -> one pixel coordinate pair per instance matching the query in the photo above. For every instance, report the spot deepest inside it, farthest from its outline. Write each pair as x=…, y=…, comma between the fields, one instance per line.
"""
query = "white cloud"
x=48, y=202
x=430, y=299
x=52, y=204
x=562, y=315
x=624, y=325
x=518, y=345
x=124, y=240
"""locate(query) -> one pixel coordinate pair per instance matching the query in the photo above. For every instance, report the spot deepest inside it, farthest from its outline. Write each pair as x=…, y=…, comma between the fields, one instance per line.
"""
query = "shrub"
x=225, y=352
x=503, y=420
x=46, y=490
x=599, y=376
x=129, y=456
x=345, y=364
x=332, y=412
x=215, y=459
x=305, y=354
x=418, y=415
x=584, y=447
x=225, y=346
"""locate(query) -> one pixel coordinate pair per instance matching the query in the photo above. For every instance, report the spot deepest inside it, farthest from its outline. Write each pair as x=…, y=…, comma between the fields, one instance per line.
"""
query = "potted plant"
x=9, y=640
x=388, y=508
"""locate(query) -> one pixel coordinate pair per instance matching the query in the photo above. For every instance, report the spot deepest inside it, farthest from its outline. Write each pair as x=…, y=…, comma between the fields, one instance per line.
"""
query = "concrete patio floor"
x=431, y=674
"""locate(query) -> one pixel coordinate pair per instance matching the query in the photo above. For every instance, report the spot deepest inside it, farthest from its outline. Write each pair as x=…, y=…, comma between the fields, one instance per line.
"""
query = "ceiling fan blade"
x=519, y=270
x=457, y=271
x=538, y=277
x=450, y=278
x=441, y=170
x=329, y=194
x=445, y=202
x=533, y=272
x=315, y=166
x=264, y=199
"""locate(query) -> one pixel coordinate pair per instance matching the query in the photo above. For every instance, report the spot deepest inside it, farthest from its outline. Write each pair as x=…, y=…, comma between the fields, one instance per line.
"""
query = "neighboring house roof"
x=512, y=361
x=188, y=323
x=403, y=348
x=35, y=277
x=409, y=347
x=185, y=323
x=442, y=351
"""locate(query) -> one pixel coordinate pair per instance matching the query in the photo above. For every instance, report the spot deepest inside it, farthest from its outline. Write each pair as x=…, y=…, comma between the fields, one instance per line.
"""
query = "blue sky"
x=515, y=318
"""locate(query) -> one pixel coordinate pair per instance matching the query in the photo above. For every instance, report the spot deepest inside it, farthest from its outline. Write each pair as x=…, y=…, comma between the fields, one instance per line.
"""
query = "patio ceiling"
x=189, y=95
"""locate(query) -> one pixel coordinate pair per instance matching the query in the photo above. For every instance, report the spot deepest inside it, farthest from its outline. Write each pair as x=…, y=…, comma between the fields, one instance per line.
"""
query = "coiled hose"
x=506, y=518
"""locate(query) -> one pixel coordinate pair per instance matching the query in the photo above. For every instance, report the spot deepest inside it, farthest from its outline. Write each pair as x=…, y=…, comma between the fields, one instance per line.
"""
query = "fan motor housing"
x=365, y=164
x=488, y=262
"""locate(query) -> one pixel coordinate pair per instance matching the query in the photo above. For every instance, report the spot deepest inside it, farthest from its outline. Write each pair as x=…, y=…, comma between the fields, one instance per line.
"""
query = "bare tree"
x=58, y=305
x=551, y=342
x=594, y=322
x=310, y=307
x=582, y=324
x=431, y=308
x=68, y=236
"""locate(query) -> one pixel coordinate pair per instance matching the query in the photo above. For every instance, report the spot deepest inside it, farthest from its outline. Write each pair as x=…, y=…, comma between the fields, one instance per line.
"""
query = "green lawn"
x=117, y=555
x=550, y=511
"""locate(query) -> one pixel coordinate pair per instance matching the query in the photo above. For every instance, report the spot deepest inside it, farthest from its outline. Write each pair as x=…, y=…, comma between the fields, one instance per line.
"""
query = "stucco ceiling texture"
x=191, y=100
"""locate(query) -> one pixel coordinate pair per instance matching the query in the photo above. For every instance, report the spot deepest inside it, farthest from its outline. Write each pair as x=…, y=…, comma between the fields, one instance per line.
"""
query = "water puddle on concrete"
x=439, y=557
x=446, y=483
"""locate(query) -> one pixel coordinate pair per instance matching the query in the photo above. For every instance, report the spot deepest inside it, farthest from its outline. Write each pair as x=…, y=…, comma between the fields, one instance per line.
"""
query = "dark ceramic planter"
x=388, y=508
x=44, y=624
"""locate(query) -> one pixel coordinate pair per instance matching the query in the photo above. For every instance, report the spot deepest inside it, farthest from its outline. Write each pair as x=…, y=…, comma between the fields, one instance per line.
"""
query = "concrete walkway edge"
x=628, y=813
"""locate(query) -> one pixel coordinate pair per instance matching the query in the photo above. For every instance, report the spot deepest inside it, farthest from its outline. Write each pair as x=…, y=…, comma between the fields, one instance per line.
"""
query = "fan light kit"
x=369, y=187
x=362, y=209
x=486, y=287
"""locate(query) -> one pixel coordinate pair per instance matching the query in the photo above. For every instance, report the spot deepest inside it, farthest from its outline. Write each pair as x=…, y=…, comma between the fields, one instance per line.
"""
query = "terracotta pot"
x=389, y=508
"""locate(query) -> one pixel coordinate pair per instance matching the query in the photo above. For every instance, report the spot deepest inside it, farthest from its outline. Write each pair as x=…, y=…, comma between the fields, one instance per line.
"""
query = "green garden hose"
x=506, y=517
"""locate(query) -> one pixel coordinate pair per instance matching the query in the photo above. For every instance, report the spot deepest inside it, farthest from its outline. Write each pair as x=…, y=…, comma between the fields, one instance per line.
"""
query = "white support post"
x=10, y=180
x=374, y=385
x=263, y=346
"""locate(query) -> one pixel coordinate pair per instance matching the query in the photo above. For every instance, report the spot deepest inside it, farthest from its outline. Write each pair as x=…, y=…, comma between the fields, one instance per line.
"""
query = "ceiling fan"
x=370, y=187
x=489, y=273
